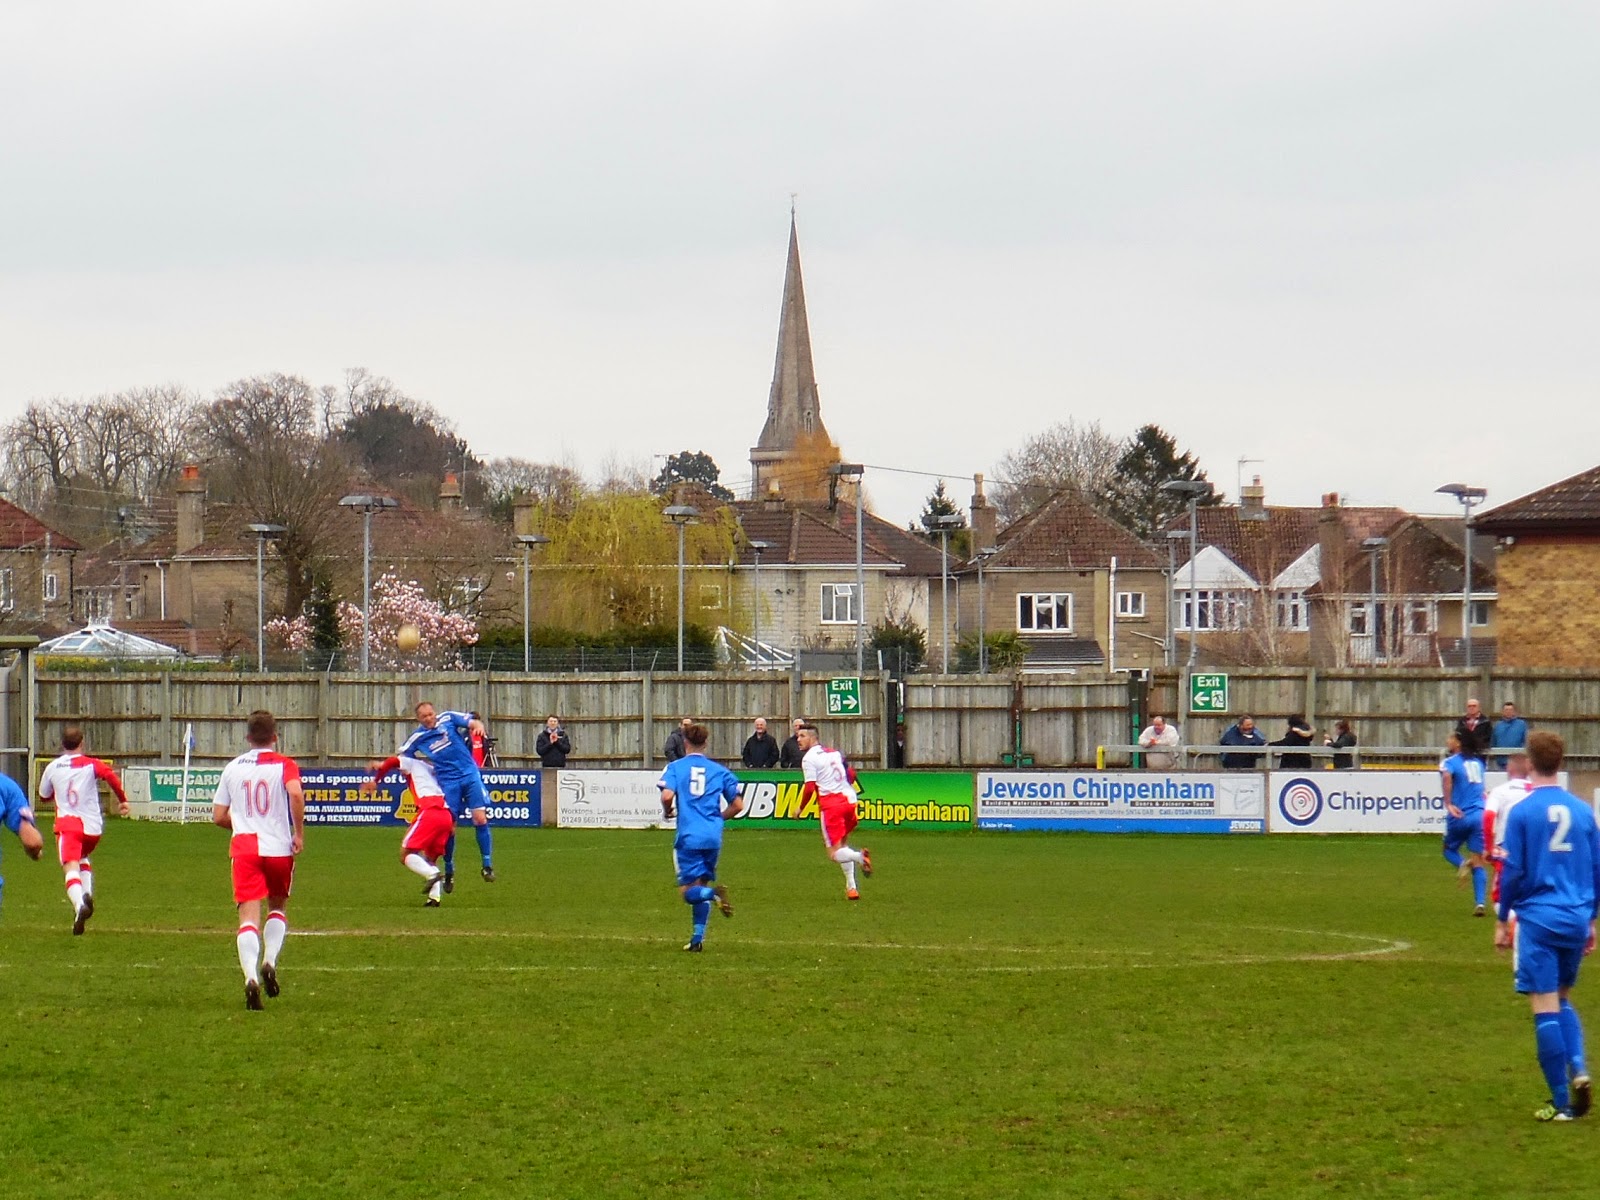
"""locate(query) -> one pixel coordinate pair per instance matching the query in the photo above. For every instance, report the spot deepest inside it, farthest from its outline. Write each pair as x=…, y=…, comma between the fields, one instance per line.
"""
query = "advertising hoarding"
x=1123, y=801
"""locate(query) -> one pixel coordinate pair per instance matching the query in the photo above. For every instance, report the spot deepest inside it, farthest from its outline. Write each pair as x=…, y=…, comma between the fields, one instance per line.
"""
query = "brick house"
x=36, y=573
x=1549, y=569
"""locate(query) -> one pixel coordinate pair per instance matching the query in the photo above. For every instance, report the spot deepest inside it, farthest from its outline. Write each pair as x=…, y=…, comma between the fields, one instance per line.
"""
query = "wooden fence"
x=621, y=720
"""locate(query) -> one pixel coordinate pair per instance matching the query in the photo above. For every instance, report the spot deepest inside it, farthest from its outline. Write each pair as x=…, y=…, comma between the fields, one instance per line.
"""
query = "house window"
x=710, y=595
x=1293, y=612
x=838, y=604
x=8, y=592
x=1044, y=612
x=1358, y=619
x=464, y=593
x=1130, y=604
x=1419, y=616
x=1480, y=613
x=51, y=587
x=1210, y=609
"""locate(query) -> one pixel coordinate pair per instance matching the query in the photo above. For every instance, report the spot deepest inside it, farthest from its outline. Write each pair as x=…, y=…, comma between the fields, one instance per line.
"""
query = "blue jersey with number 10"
x=1466, y=782
x=700, y=786
x=1552, y=872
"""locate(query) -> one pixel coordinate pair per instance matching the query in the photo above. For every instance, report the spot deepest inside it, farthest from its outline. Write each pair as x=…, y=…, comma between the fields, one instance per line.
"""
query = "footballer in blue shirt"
x=1463, y=825
x=16, y=816
x=442, y=740
x=702, y=794
x=1550, y=893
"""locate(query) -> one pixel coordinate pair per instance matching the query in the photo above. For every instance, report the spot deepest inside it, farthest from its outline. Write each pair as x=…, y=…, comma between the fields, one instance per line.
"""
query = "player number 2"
x=1561, y=818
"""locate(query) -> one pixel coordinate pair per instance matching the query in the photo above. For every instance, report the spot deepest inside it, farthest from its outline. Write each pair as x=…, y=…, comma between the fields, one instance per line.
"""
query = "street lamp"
x=366, y=505
x=1468, y=496
x=854, y=472
x=945, y=522
x=680, y=515
x=262, y=532
x=1373, y=546
x=1193, y=489
x=760, y=548
x=529, y=541
x=981, y=557
x=1174, y=537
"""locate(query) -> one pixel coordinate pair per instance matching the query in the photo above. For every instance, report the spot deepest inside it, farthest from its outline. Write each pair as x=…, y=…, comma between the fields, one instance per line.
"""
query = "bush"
x=903, y=640
x=1005, y=652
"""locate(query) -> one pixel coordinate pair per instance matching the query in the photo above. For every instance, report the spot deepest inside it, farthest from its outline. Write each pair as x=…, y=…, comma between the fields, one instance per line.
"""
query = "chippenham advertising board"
x=1356, y=802
x=1122, y=802
x=899, y=799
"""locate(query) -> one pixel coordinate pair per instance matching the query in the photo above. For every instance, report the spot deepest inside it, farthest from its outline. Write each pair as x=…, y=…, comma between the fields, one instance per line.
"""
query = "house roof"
x=21, y=530
x=1069, y=533
x=806, y=536
x=1572, y=505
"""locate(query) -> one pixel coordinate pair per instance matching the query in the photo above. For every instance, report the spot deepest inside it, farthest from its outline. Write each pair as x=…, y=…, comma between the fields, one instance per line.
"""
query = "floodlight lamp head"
x=533, y=539
x=1192, y=488
x=847, y=470
x=1463, y=492
x=263, y=530
x=1374, y=543
x=949, y=521
x=680, y=514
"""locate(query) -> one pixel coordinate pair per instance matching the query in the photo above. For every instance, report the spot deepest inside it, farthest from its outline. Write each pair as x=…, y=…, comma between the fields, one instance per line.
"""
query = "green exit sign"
x=844, y=697
x=1208, y=693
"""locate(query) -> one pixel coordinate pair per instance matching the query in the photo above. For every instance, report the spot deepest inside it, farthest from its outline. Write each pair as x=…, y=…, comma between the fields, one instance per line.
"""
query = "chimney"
x=522, y=514
x=774, y=498
x=450, y=495
x=1331, y=546
x=1252, y=501
x=191, y=509
x=983, y=517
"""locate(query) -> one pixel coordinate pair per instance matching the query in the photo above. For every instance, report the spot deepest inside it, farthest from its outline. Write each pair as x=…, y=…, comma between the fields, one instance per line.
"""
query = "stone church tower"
x=794, y=452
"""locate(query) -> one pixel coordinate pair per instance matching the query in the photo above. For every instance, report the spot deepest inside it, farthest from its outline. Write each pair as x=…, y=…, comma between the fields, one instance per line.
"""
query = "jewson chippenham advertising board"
x=1122, y=802
x=1356, y=802
x=887, y=799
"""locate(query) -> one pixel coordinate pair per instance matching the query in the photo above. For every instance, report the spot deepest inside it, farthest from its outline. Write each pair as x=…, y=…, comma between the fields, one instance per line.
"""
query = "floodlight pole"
x=529, y=541
x=1373, y=546
x=1468, y=496
x=945, y=521
x=758, y=547
x=1193, y=489
x=680, y=515
x=981, y=557
x=262, y=532
x=367, y=505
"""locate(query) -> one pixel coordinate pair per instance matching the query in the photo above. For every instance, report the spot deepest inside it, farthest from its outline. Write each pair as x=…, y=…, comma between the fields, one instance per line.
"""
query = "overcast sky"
x=1355, y=241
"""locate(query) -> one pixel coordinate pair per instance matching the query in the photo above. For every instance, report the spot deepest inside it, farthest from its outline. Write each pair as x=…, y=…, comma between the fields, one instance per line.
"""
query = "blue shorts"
x=462, y=795
x=1464, y=831
x=1543, y=961
x=694, y=865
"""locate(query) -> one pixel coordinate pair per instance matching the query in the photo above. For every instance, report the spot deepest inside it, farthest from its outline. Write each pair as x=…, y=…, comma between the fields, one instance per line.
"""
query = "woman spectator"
x=1344, y=738
x=1298, y=734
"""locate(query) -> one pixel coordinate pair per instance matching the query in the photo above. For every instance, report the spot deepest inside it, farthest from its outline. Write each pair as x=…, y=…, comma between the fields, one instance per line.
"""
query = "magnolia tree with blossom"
x=395, y=604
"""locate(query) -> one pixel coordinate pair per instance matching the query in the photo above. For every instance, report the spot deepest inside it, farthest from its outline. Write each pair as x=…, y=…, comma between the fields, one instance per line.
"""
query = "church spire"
x=794, y=430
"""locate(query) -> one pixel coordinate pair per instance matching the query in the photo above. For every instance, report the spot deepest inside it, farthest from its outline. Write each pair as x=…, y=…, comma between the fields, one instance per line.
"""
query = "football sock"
x=415, y=862
x=702, y=911
x=272, y=935
x=75, y=893
x=1451, y=857
x=250, y=952
x=86, y=876
x=698, y=895
x=485, y=844
x=1552, y=1055
x=1480, y=885
x=849, y=869
x=846, y=855
x=450, y=856
x=1572, y=1035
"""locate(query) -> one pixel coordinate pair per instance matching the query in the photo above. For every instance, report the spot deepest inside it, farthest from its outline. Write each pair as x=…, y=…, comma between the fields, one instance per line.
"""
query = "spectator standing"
x=1344, y=738
x=1474, y=730
x=553, y=744
x=1298, y=734
x=1161, y=741
x=760, y=748
x=1510, y=733
x=1243, y=732
x=677, y=745
x=790, y=756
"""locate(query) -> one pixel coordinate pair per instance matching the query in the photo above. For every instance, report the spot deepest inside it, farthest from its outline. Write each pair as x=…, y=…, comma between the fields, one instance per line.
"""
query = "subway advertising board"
x=333, y=797
x=887, y=799
x=1122, y=802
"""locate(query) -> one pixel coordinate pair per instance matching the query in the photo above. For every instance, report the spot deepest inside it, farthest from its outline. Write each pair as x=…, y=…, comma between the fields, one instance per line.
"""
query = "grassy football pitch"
x=1000, y=1015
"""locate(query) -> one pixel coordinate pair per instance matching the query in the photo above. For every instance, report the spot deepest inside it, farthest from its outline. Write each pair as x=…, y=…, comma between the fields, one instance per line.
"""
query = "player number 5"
x=697, y=781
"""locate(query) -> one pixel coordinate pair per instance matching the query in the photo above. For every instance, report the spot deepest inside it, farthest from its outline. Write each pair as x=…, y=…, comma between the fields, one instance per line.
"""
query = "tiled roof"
x=1571, y=504
x=1045, y=653
x=21, y=530
x=1067, y=532
x=805, y=536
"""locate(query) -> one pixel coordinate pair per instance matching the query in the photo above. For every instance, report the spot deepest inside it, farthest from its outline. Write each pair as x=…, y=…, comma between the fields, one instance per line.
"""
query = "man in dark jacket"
x=553, y=745
x=1298, y=734
x=1474, y=730
x=1243, y=733
x=791, y=754
x=761, y=748
x=676, y=746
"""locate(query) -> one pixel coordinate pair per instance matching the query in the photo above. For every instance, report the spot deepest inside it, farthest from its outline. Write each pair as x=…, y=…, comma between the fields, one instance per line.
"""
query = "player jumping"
x=832, y=781
x=441, y=740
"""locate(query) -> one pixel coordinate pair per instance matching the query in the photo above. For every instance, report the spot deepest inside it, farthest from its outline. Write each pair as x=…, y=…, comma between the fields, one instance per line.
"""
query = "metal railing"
x=1270, y=757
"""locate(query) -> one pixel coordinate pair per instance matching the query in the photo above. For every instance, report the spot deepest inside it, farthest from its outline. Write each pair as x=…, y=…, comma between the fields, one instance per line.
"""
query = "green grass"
x=1001, y=1015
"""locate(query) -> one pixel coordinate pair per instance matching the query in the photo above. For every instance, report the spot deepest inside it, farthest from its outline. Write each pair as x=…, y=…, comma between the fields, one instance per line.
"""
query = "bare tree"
x=270, y=457
x=1067, y=452
x=555, y=488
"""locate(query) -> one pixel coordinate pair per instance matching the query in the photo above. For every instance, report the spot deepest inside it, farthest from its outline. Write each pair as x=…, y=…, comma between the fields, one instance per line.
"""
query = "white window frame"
x=1360, y=620
x=1473, y=608
x=711, y=595
x=1130, y=605
x=1057, y=604
x=8, y=589
x=1421, y=617
x=1293, y=610
x=1232, y=607
x=52, y=587
x=833, y=596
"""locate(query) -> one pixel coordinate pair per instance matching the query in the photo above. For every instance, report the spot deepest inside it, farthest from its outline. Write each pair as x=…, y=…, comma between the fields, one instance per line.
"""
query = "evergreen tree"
x=691, y=467
x=939, y=504
x=1134, y=496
